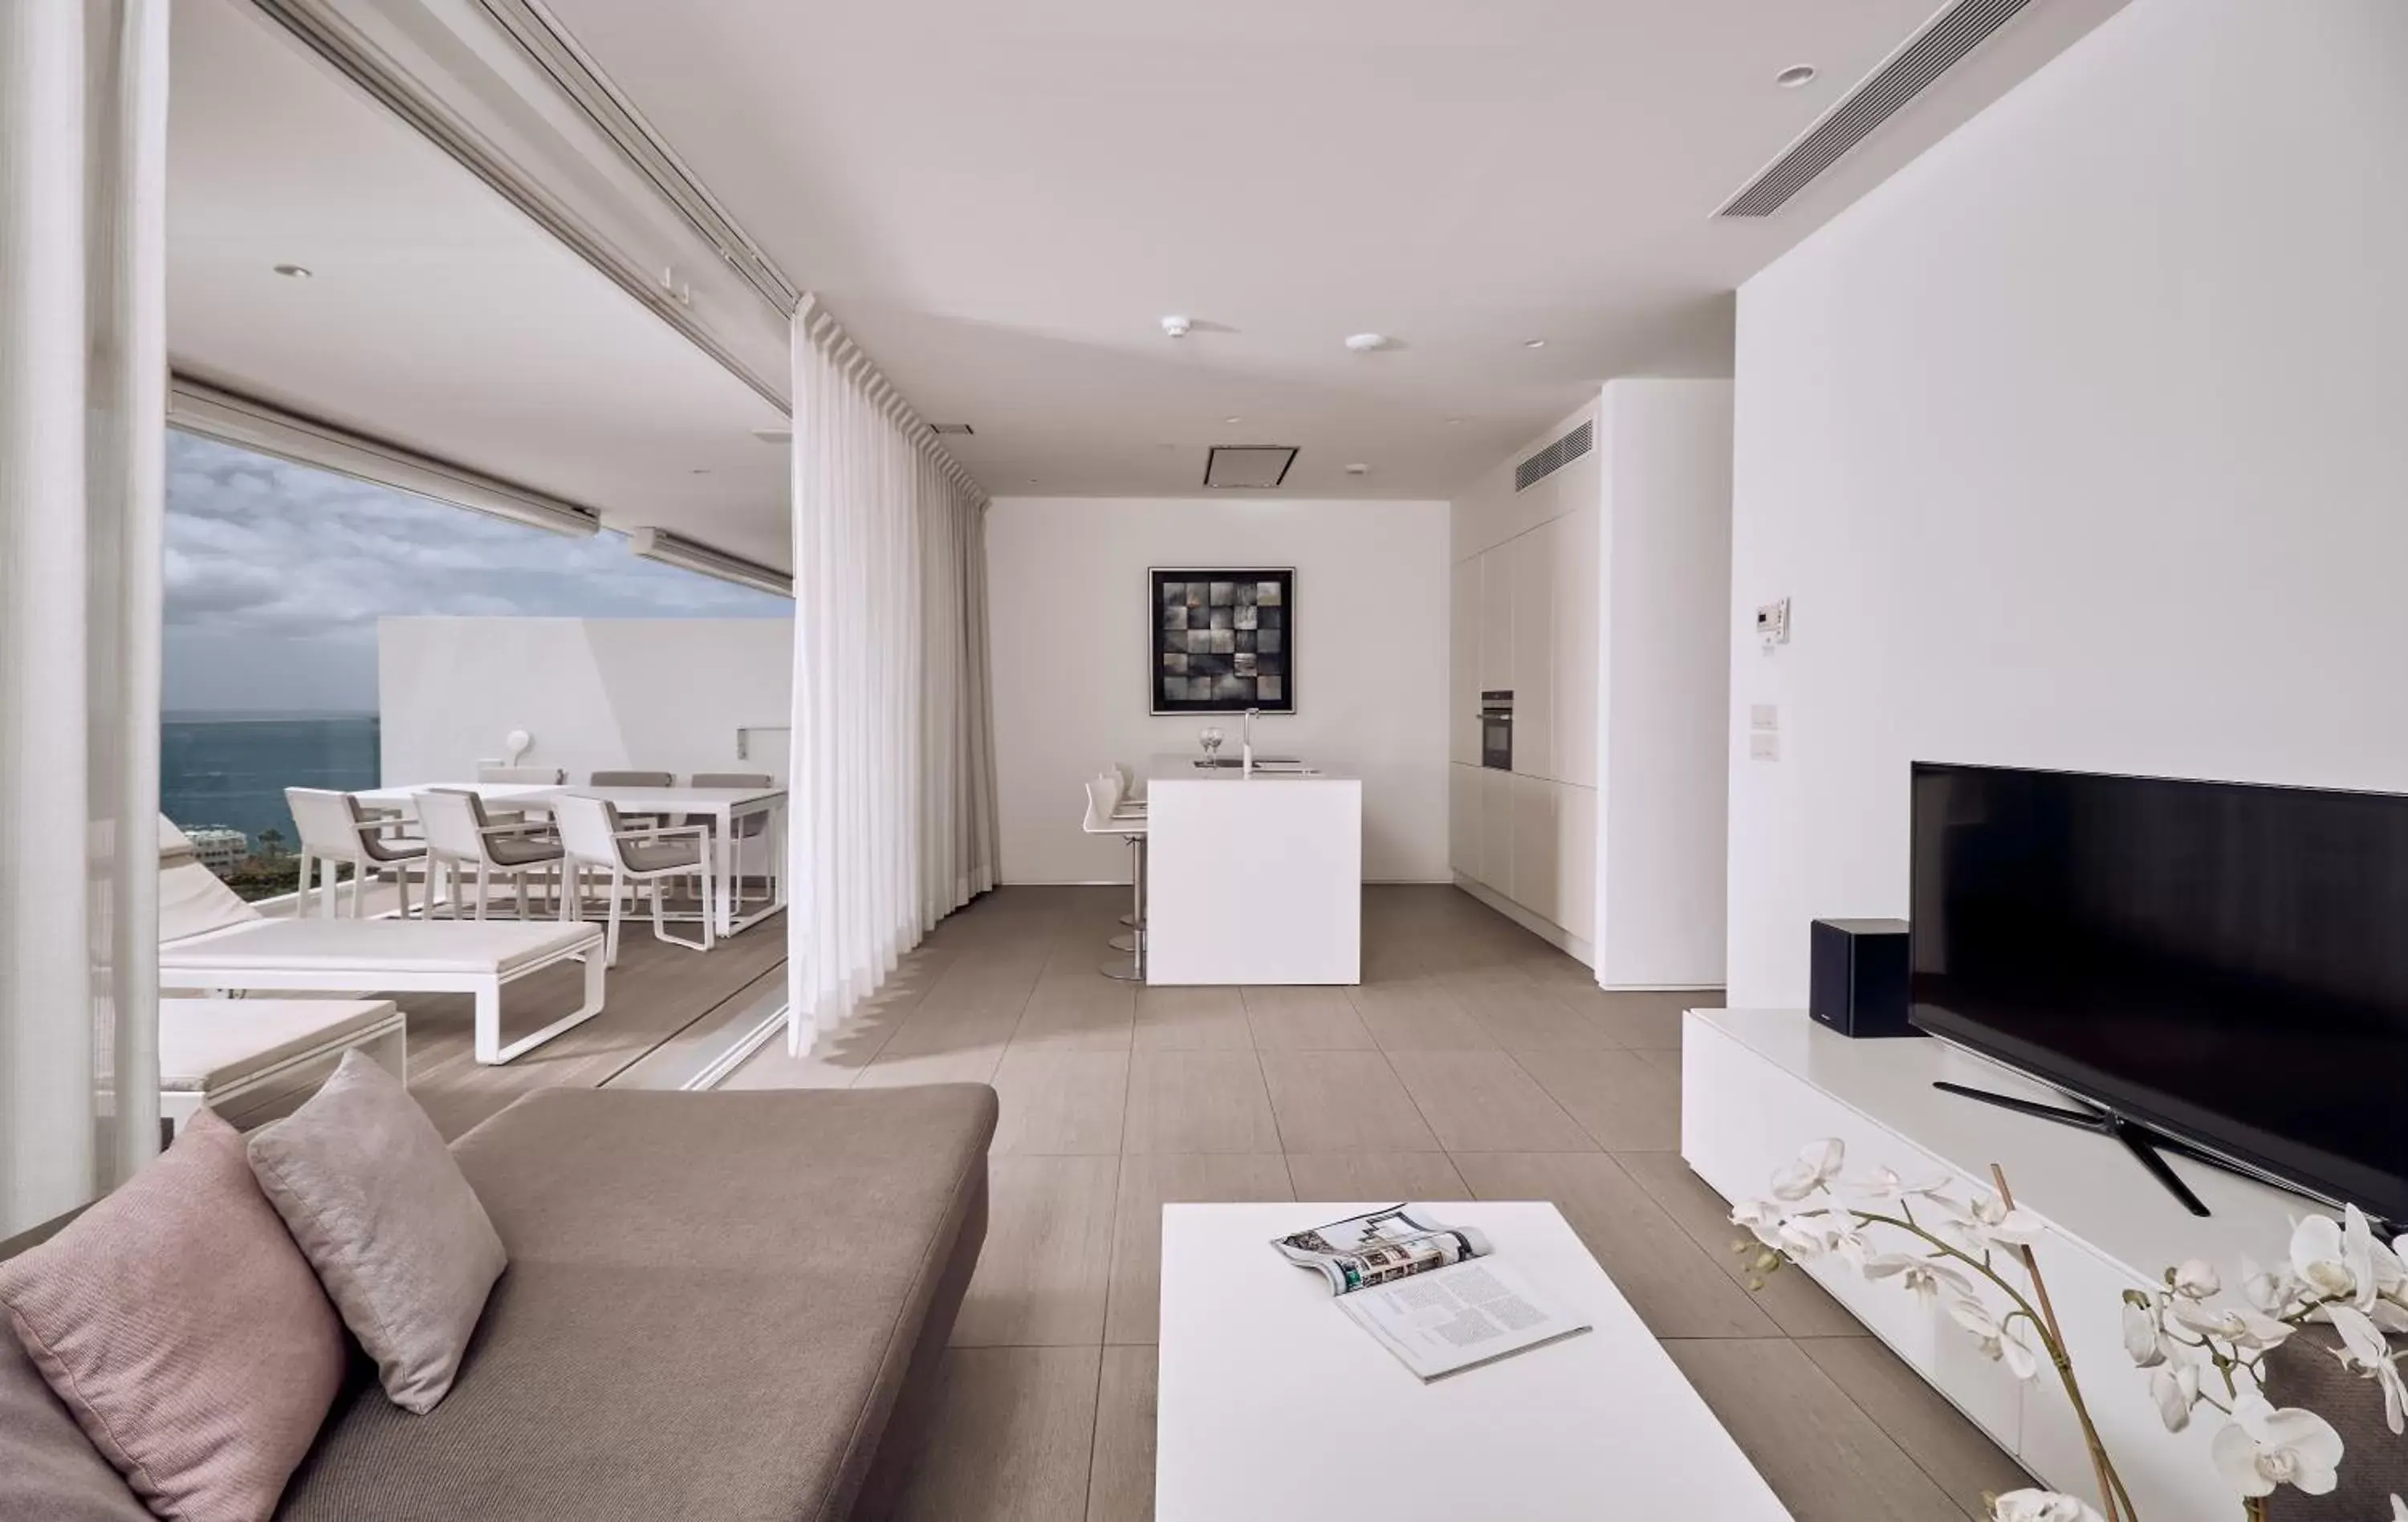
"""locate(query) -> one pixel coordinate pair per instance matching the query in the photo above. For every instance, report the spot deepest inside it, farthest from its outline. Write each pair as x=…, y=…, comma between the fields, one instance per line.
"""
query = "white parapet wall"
x=596, y=694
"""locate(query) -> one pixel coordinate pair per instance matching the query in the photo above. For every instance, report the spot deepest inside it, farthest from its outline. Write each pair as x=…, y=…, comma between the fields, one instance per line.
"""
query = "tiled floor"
x=1475, y=1061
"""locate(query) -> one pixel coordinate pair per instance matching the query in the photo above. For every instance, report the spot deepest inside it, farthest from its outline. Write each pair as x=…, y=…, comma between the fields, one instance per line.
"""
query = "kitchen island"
x=1252, y=880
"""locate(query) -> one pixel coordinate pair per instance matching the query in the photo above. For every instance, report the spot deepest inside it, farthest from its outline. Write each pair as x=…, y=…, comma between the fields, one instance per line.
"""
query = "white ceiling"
x=439, y=316
x=1001, y=201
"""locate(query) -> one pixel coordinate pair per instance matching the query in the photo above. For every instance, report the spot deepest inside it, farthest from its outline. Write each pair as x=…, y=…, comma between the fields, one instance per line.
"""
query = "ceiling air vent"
x=1906, y=74
x=1252, y=467
x=1556, y=456
x=959, y=430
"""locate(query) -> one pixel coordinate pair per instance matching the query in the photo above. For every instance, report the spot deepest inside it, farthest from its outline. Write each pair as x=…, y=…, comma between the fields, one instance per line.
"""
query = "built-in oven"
x=1496, y=730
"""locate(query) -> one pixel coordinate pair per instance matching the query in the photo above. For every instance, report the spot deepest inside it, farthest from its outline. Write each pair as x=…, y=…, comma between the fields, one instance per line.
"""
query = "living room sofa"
x=724, y=1306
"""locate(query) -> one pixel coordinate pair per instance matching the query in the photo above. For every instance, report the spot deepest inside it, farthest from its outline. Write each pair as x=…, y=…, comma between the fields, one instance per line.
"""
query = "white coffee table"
x=1272, y=1404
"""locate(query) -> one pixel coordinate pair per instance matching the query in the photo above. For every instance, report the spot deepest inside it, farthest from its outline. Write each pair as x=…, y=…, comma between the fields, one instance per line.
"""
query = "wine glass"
x=1210, y=738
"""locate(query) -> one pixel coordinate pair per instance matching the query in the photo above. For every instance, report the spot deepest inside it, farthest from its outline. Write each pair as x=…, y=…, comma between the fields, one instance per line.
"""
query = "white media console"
x=1757, y=1084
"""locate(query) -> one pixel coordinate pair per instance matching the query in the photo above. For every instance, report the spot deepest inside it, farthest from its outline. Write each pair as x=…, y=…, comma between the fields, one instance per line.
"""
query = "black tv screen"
x=2224, y=962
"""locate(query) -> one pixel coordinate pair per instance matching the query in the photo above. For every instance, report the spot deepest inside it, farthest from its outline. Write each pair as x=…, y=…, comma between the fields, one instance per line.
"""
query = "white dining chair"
x=748, y=827
x=461, y=837
x=592, y=835
x=334, y=831
x=495, y=771
x=1103, y=797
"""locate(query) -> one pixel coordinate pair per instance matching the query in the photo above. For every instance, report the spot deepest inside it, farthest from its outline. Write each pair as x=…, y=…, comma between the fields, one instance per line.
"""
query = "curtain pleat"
x=83, y=112
x=893, y=755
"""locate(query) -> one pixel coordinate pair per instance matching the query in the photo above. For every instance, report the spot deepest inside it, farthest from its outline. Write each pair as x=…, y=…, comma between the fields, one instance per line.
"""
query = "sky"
x=277, y=574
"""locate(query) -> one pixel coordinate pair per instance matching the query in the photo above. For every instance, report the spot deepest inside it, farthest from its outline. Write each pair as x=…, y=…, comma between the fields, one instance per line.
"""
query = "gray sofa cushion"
x=47, y=1468
x=712, y=1301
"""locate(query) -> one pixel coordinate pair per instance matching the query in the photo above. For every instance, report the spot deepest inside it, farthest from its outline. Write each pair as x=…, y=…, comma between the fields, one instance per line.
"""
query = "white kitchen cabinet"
x=1576, y=571
x=1463, y=819
x=1496, y=618
x=1495, y=789
x=1536, y=849
x=1533, y=575
x=1463, y=667
x=1576, y=860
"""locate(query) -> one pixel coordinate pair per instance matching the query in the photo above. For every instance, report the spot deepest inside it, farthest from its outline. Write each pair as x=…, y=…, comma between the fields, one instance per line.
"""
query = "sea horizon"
x=230, y=767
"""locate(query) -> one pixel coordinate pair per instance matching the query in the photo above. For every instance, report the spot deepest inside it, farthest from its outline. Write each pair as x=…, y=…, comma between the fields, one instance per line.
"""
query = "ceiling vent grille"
x=1556, y=456
x=957, y=430
x=1950, y=35
x=1248, y=467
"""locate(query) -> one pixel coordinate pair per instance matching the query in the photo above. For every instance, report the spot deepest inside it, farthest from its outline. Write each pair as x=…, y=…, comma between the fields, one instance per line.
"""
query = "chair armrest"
x=528, y=828
x=662, y=833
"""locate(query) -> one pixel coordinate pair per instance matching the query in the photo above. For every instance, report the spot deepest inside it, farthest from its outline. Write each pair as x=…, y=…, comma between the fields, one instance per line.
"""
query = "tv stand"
x=2138, y=1139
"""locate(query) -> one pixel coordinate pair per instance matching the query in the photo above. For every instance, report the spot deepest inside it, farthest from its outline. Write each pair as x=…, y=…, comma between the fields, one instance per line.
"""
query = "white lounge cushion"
x=213, y=1043
x=363, y=948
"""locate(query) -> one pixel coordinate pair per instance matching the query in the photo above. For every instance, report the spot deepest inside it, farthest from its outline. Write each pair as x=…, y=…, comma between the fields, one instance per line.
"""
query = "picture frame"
x=1222, y=641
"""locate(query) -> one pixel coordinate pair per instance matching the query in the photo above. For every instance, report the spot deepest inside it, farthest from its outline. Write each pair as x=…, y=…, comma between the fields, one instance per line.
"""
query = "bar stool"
x=1125, y=805
x=1103, y=799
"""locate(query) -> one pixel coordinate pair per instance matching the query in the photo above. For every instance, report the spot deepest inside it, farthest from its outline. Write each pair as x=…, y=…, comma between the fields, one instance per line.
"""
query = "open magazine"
x=1430, y=1294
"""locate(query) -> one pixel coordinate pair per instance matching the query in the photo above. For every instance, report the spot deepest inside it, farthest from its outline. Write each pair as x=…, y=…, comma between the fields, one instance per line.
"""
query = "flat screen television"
x=2223, y=963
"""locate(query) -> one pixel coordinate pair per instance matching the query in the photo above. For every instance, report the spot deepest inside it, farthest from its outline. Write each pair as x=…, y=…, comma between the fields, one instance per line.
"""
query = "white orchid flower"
x=2270, y=1290
x=1802, y=1240
x=2367, y=1352
x=2263, y=1448
x=1926, y=1276
x=2175, y=1389
x=1998, y=1344
x=2196, y=1280
x=2242, y=1329
x=1987, y=1223
x=2047, y=1506
x=2399, y=1507
x=1817, y=1164
x=1884, y=1184
x=1761, y=1217
x=2335, y=1261
x=2145, y=1334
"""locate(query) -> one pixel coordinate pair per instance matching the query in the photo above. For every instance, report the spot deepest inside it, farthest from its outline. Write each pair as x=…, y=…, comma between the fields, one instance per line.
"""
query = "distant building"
x=220, y=850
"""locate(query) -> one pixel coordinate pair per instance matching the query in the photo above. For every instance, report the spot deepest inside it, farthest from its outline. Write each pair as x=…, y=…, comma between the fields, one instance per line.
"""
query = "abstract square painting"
x=1224, y=640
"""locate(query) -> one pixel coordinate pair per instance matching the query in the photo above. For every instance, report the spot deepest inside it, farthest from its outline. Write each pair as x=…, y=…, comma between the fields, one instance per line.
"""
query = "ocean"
x=232, y=769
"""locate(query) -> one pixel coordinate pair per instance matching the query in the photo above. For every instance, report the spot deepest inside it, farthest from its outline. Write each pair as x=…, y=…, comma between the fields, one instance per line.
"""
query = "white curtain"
x=83, y=369
x=893, y=801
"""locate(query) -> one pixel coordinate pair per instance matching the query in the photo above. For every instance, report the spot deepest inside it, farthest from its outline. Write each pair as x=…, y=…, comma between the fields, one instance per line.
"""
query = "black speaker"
x=1858, y=985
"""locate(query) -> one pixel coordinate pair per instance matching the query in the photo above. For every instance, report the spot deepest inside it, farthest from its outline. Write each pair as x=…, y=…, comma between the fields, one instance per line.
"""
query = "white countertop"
x=1182, y=767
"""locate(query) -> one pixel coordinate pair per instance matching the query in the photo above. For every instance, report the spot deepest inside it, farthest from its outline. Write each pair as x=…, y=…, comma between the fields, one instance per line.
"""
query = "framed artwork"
x=1224, y=640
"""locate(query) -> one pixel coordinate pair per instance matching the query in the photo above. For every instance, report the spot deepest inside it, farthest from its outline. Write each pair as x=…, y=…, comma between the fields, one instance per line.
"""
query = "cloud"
x=276, y=573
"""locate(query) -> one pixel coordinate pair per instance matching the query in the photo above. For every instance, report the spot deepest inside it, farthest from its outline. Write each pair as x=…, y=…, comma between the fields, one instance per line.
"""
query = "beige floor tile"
x=1055, y=1102
x=1305, y=1020
x=1673, y=1284
x=1199, y=1101
x=1419, y=1016
x=933, y=1029
x=772, y=1068
x=1044, y=1272
x=1959, y=1456
x=1147, y=1184
x=1520, y=1011
x=1343, y=1101
x=1644, y=1018
x=1825, y=1459
x=1482, y=1101
x=1625, y=1103
x=1797, y=1304
x=1192, y=1020
x=962, y=1065
x=1375, y=1177
x=1071, y=1015
x=1120, y=1487
x=1011, y=1438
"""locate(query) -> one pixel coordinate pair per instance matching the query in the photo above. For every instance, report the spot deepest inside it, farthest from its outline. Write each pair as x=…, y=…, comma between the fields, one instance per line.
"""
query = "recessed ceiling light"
x=1233, y=420
x=1794, y=76
x=1364, y=343
x=1534, y=343
x=1175, y=326
x=1358, y=470
x=700, y=470
x=292, y=272
x=1453, y=421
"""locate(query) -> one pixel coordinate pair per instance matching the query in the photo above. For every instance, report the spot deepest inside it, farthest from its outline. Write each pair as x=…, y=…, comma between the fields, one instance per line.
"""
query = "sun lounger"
x=233, y=1056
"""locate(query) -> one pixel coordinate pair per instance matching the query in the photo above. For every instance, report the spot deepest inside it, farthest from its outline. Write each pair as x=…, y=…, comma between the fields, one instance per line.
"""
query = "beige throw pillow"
x=383, y=1214
x=182, y=1326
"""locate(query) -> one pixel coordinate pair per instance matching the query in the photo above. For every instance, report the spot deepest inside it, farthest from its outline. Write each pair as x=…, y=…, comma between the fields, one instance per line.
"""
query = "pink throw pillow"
x=184, y=1329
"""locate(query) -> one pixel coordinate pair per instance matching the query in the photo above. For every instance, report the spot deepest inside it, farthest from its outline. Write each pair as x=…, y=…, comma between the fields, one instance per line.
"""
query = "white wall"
x=1068, y=602
x=598, y=694
x=1666, y=559
x=2080, y=443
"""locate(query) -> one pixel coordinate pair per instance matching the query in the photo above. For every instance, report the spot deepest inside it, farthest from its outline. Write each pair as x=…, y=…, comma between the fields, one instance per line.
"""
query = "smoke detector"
x=1176, y=327
x=1365, y=343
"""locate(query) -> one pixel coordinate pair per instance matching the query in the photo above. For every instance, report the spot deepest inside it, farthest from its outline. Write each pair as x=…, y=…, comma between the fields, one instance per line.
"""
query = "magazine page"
x=1458, y=1317
x=1380, y=1247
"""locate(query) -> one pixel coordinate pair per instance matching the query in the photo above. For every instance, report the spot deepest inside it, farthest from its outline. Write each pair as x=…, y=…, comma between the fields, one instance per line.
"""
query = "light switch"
x=1764, y=718
x=1763, y=745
